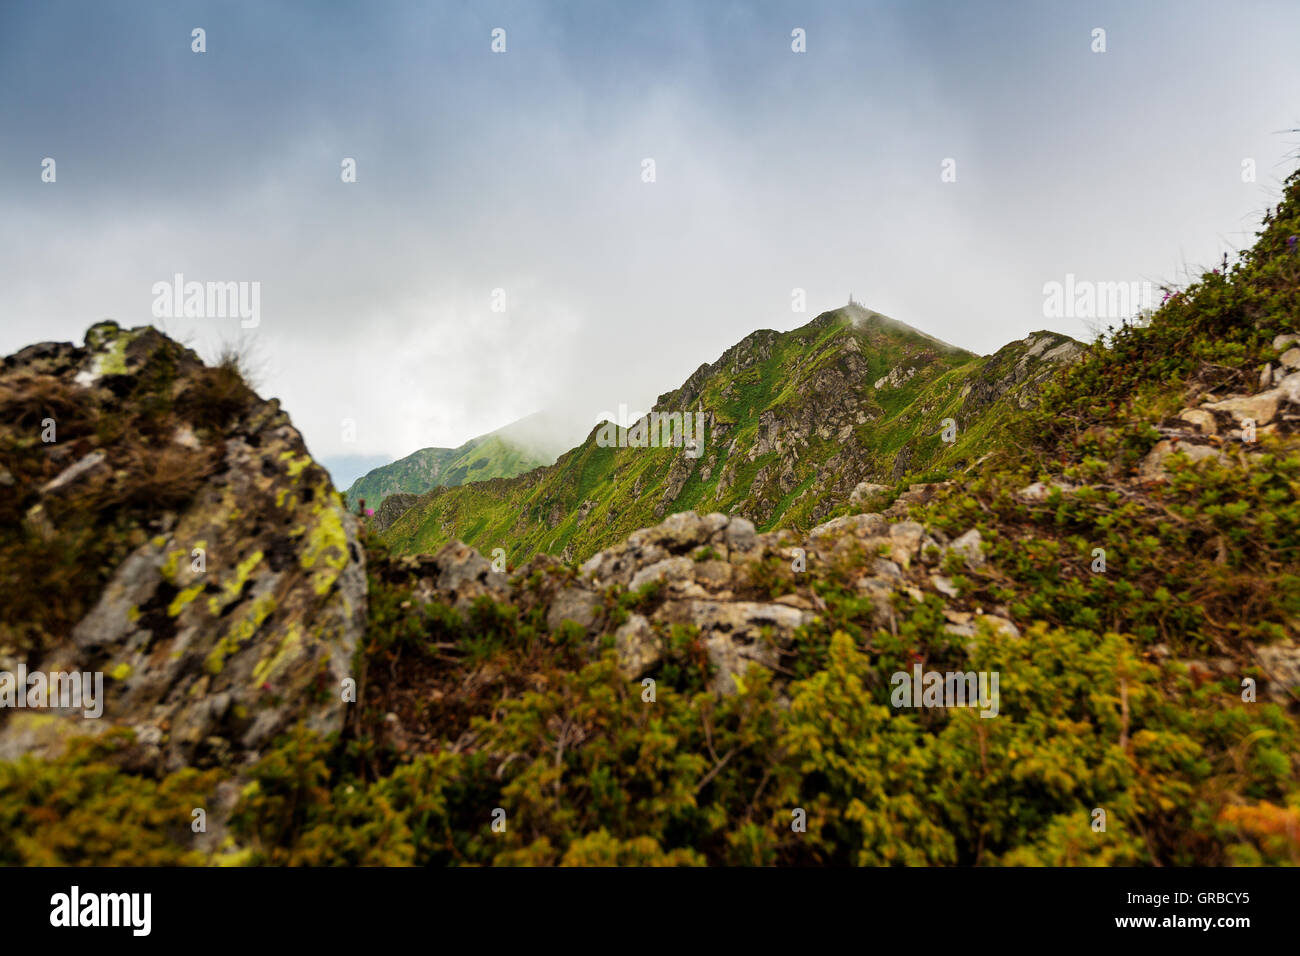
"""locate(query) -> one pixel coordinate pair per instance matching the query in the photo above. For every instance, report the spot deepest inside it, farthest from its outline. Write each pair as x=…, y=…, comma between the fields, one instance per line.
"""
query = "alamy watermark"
x=655, y=430
x=58, y=690
x=1083, y=299
x=953, y=689
x=130, y=910
x=208, y=300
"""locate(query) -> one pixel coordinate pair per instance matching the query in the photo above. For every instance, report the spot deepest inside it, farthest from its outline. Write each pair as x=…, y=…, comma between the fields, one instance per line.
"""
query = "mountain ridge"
x=513, y=449
x=769, y=401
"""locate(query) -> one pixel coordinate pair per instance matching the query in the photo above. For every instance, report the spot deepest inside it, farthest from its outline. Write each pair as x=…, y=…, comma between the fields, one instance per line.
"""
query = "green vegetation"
x=811, y=391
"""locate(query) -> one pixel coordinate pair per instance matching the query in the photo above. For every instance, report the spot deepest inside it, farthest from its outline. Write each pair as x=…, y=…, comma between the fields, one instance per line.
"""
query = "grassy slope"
x=624, y=488
x=479, y=459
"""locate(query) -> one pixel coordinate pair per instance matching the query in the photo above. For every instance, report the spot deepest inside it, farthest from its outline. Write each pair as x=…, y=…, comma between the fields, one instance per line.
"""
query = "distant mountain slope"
x=517, y=448
x=793, y=423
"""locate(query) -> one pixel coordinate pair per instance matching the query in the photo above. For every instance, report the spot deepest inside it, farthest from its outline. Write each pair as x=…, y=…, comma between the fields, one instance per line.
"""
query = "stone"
x=670, y=569
x=1202, y=419
x=1000, y=624
x=740, y=534
x=678, y=532
x=638, y=647
x=859, y=525
x=736, y=634
x=865, y=491
x=971, y=547
x=905, y=542
x=1261, y=407
x=1037, y=492
x=573, y=604
x=1281, y=665
x=1153, y=465
x=943, y=585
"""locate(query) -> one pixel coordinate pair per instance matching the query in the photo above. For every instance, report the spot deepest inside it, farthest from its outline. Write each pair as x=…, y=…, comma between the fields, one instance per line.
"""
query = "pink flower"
x=370, y=512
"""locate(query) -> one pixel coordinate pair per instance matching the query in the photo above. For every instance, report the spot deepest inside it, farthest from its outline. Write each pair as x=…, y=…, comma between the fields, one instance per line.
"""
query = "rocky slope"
x=794, y=423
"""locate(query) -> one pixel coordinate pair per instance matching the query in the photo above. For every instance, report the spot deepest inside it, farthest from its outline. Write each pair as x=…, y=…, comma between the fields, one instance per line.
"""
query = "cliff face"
x=166, y=527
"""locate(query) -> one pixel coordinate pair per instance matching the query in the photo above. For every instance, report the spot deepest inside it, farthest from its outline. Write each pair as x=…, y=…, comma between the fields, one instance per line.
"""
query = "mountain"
x=793, y=423
x=521, y=446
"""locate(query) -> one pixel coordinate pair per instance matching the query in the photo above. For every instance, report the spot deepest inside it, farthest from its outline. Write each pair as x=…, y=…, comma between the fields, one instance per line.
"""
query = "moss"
x=109, y=342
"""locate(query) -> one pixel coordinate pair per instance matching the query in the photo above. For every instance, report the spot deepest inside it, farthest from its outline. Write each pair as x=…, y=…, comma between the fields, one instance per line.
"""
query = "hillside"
x=794, y=422
x=513, y=450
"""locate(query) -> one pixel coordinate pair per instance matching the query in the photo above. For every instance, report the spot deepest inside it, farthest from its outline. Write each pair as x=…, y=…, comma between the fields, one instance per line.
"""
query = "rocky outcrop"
x=1224, y=424
x=740, y=594
x=228, y=613
x=1016, y=370
x=392, y=508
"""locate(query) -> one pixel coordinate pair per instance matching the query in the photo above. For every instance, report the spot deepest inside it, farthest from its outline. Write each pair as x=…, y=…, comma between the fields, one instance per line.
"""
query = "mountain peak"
x=862, y=317
x=795, y=421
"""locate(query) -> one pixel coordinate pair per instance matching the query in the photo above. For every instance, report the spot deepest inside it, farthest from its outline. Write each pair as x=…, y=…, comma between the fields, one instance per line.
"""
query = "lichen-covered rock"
x=232, y=614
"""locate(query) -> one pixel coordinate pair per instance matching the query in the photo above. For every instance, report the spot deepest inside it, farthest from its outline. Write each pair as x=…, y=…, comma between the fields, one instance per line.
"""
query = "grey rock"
x=740, y=535
x=971, y=547
x=859, y=525
x=573, y=604
x=670, y=569
x=638, y=647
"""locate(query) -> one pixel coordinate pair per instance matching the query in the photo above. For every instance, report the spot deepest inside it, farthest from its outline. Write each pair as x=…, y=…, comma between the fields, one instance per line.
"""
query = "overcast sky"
x=523, y=171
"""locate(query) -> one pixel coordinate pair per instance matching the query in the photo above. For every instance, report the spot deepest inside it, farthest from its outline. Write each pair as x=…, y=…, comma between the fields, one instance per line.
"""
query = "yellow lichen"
x=183, y=598
x=327, y=546
x=235, y=584
x=239, y=632
x=288, y=645
x=171, y=566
